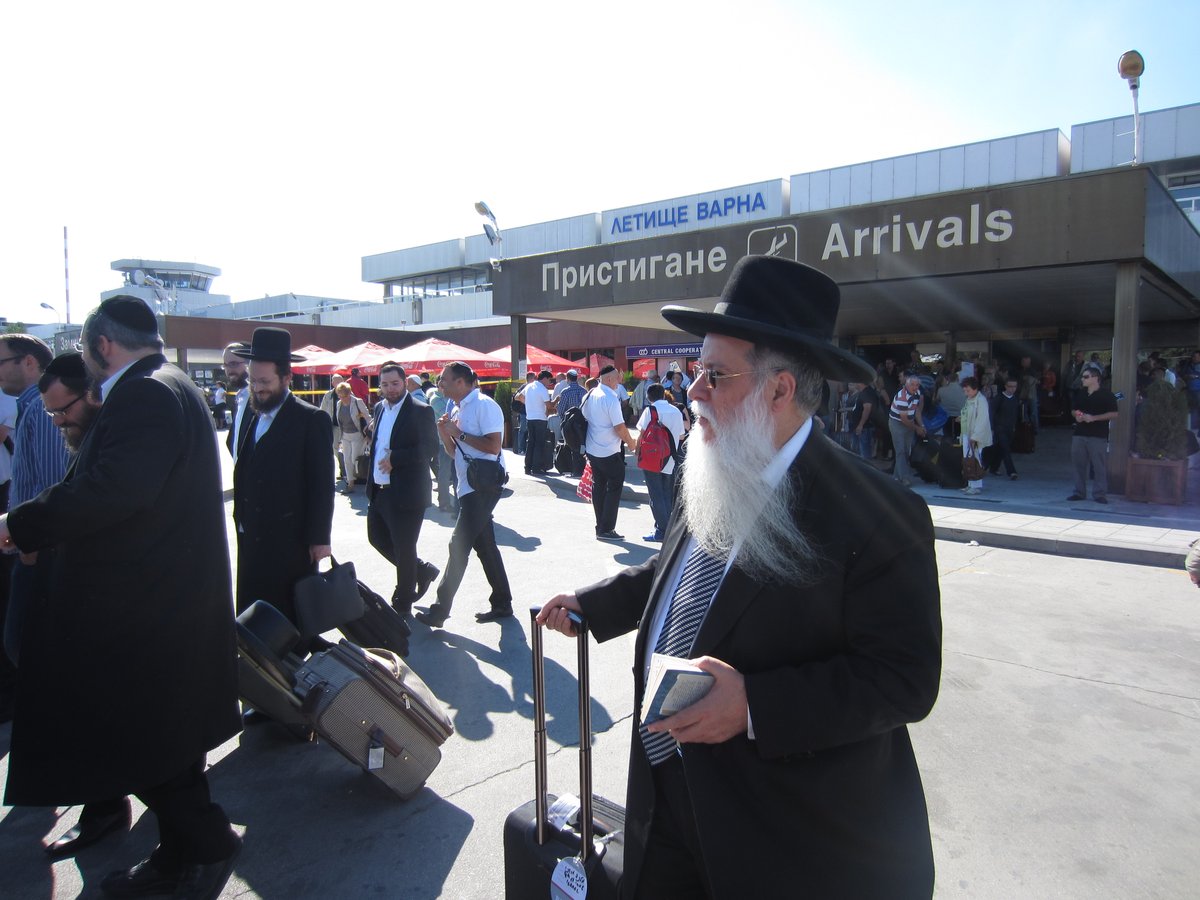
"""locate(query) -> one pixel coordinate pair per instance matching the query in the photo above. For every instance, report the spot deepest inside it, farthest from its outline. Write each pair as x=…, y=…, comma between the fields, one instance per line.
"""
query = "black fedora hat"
x=783, y=304
x=270, y=345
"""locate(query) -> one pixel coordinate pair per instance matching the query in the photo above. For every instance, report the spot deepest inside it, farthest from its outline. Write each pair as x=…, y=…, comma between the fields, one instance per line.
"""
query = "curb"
x=1096, y=548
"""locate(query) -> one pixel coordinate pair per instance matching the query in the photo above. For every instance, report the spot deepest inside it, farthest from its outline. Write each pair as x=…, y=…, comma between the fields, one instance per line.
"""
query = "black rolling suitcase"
x=950, y=460
x=1023, y=438
x=376, y=712
x=564, y=459
x=586, y=836
x=924, y=460
x=379, y=625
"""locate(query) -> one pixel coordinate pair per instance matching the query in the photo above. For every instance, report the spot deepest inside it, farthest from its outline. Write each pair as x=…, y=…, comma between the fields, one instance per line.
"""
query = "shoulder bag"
x=484, y=474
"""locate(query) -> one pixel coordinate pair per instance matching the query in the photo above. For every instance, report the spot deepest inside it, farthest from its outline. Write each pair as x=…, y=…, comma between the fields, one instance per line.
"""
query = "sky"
x=283, y=141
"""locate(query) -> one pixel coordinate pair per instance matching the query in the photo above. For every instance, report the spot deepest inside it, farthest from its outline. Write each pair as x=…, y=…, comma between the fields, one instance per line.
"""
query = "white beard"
x=724, y=499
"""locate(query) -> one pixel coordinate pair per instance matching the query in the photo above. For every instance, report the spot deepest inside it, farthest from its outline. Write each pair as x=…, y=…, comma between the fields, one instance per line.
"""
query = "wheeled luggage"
x=267, y=664
x=378, y=626
x=950, y=465
x=1023, y=438
x=376, y=712
x=924, y=459
x=585, y=836
x=564, y=460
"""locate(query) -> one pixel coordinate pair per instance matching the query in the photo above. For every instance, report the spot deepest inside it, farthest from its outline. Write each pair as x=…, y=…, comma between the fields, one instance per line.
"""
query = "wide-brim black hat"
x=783, y=304
x=270, y=345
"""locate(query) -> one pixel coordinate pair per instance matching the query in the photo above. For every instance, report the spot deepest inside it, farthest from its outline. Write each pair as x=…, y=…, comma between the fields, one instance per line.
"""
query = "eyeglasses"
x=8, y=359
x=62, y=412
x=712, y=376
x=77, y=346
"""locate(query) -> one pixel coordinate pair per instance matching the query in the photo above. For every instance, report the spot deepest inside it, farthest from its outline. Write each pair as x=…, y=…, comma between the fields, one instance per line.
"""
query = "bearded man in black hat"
x=283, y=480
x=805, y=582
x=128, y=675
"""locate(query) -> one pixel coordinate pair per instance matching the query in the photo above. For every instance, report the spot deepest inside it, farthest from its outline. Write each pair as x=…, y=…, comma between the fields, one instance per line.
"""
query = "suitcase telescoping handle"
x=585, y=733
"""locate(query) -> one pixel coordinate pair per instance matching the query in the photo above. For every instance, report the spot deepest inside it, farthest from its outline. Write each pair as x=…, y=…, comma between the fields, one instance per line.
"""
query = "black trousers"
x=608, y=478
x=473, y=530
x=1002, y=451
x=537, y=448
x=191, y=828
x=393, y=530
x=674, y=863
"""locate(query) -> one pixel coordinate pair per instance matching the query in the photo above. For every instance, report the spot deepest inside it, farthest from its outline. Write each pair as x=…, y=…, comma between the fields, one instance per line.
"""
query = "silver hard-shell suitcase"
x=376, y=712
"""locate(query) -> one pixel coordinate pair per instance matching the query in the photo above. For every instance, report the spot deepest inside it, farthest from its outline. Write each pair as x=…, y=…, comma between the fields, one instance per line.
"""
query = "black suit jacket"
x=282, y=503
x=413, y=440
x=128, y=667
x=828, y=796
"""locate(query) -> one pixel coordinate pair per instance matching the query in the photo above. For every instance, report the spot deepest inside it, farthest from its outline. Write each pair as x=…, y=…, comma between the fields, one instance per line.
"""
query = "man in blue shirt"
x=39, y=461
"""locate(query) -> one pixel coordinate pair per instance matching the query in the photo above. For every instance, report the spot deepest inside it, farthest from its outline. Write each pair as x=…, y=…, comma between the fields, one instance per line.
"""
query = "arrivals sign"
x=1022, y=226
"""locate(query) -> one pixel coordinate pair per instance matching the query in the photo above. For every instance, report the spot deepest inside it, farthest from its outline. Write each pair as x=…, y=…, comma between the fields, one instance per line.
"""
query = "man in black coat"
x=128, y=672
x=400, y=487
x=1006, y=415
x=282, y=482
x=805, y=582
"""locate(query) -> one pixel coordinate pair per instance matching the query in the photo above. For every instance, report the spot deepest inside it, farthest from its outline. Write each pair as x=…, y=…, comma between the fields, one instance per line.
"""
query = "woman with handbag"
x=352, y=416
x=976, y=434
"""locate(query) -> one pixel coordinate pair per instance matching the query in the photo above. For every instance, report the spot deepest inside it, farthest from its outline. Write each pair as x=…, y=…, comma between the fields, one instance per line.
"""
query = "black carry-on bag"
x=379, y=625
x=586, y=835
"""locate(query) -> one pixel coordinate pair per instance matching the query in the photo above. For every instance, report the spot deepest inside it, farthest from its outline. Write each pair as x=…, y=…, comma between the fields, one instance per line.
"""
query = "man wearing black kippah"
x=128, y=677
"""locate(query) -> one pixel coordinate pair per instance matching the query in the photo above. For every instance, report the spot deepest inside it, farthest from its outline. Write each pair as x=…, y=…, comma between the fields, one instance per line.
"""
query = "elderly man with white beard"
x=806, y=583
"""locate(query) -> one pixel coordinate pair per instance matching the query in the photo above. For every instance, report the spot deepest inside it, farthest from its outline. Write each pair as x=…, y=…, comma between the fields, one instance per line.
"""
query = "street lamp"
x=53, y=310
x=1130, y=66
x=492, y=230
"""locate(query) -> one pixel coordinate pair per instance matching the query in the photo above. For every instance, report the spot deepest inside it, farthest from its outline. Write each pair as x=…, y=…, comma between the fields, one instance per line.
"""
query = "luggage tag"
x=375, y=750
x=564, y=811
x=569, y=881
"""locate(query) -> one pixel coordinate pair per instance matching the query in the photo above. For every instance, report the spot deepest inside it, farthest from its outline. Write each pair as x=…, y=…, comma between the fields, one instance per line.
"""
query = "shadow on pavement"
x=449, y=664
x=317, y=826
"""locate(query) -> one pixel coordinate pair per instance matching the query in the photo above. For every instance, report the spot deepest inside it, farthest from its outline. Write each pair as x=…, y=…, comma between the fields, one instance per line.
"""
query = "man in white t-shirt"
x=605, y=437
x=537, y=449
x=473, y=428
x=661, y=485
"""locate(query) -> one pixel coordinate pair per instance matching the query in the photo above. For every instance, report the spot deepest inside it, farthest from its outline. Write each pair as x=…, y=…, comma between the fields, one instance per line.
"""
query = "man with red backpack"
x=660, y=429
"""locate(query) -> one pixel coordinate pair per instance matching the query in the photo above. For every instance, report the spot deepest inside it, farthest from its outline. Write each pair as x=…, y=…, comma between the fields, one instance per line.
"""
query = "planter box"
x=1156, y=480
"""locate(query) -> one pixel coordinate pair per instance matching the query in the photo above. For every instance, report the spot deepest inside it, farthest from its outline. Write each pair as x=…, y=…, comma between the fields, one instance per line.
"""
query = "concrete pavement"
x=1059, y=760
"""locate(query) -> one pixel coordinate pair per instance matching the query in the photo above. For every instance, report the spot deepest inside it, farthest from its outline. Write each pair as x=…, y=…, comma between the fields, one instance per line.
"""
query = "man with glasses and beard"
x=805, y=582
x=128, y=674
x=282, y=482
x=237, y=393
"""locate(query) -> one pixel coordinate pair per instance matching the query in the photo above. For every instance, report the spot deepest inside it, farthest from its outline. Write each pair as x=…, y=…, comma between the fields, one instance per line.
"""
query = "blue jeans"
x=522, y=433
x=865, y=441
x=661, y=489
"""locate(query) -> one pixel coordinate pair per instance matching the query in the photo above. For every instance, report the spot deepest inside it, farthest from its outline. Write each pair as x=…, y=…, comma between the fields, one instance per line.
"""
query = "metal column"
x=1126, y=320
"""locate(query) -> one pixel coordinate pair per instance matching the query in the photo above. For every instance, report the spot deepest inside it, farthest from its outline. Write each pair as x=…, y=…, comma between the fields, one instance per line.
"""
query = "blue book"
x=673, y=684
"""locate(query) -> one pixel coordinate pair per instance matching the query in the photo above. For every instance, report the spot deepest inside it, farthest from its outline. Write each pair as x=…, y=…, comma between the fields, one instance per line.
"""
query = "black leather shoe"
x=205, y=882
x=428, y=574
x=494, y=615
x=254, y=717
x=430, y=618
x=88, y=831
x=143, y=880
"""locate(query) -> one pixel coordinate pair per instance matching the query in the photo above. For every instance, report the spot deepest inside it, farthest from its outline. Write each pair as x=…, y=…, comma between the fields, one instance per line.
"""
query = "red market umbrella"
x=592, y=365
x=360, y=356
x=431, y=354
x=539, y=359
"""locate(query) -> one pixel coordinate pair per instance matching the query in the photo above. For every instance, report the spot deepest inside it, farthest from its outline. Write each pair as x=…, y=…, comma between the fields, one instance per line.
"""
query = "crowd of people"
x=987, y=413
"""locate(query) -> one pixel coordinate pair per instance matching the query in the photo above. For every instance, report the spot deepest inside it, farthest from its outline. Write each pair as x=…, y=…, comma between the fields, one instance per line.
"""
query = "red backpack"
x=656, y=445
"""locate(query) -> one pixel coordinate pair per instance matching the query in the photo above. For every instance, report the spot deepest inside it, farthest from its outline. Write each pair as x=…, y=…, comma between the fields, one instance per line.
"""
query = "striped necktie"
x=701, y=576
